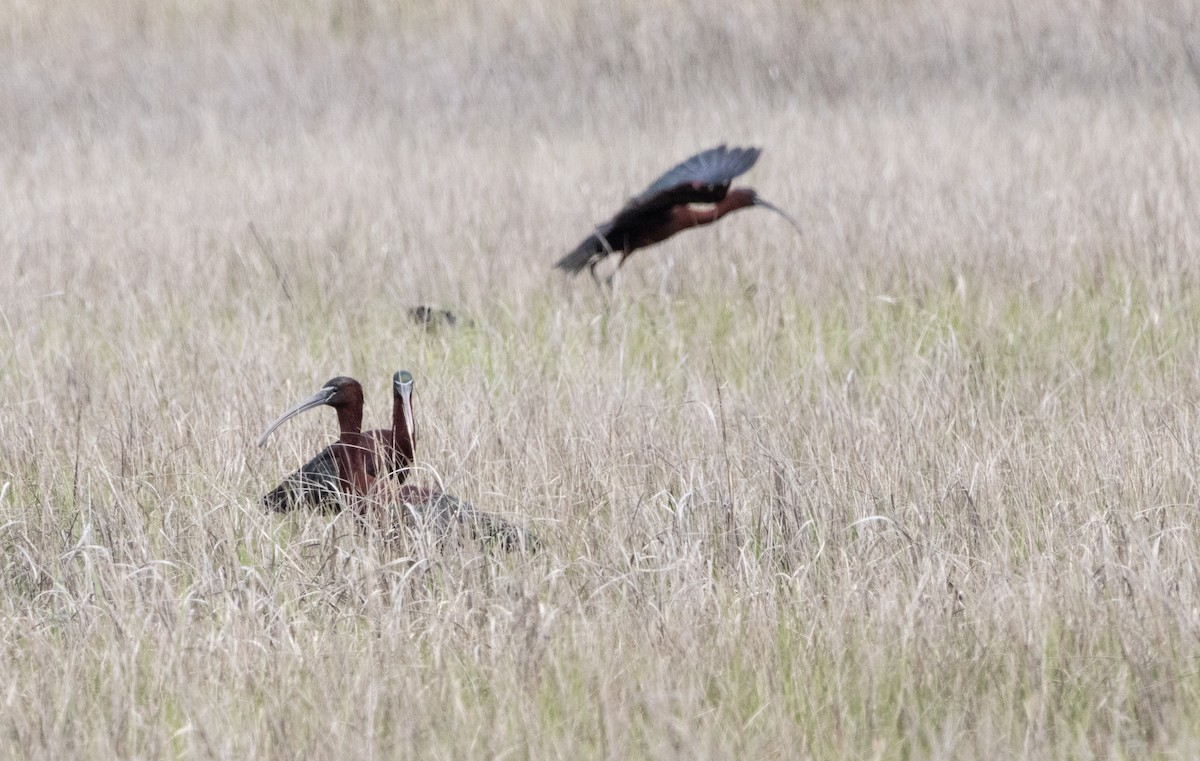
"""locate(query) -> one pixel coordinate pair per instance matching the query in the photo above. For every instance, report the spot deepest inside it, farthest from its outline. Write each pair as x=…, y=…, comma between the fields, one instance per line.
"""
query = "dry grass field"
x=920, y=483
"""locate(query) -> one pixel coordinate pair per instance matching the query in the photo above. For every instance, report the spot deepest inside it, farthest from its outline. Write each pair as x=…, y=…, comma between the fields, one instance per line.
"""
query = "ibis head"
x=336, y=392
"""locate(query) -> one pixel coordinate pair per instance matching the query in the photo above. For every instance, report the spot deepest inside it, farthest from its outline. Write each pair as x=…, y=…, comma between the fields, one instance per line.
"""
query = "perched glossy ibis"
x=665, y=207
x=353, y=468
x=433, y=509
x=344, y=469
x=397, y=447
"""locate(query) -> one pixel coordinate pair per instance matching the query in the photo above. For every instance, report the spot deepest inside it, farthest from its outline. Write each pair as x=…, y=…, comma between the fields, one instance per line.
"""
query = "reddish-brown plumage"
x=347, y=471
x=344, y=469
x=666, y=207
x=355, y=450
x=350, y=467
x=430, y=508
x=684, y=217
x=398, y=451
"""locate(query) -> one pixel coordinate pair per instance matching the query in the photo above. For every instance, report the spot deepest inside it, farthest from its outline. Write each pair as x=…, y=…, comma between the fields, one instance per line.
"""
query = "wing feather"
x=316, y=483
x=705, y=176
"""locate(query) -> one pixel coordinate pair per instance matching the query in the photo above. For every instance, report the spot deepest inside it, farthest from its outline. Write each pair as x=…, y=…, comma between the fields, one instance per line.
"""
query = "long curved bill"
x=780, y=212
x=316, y=400
x=402, y=384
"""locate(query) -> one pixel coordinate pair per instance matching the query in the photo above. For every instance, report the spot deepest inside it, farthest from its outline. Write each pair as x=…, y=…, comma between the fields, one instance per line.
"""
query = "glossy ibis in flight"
x=431, y=508
x=346, y=468
x=665, y=207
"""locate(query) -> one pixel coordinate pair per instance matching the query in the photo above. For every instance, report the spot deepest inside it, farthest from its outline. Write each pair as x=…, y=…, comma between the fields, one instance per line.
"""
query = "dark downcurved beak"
x=316, y=400
x=780, y=212
x=402, y=385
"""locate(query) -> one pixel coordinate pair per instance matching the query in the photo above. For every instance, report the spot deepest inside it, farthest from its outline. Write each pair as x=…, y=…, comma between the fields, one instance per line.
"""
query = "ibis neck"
x=351, y=461
x=736, y=198
x=402, y=442
x=686, y=217
x=350, y=420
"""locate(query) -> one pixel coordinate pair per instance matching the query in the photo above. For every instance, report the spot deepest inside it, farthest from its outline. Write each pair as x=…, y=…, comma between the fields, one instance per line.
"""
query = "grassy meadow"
x=918, y=483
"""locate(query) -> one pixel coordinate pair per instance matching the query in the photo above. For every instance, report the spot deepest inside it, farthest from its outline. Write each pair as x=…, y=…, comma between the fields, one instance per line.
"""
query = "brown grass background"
x=917, y=484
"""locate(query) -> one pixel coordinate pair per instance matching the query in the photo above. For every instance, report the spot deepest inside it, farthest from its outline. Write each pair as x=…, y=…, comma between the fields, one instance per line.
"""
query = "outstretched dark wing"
x=703, y=178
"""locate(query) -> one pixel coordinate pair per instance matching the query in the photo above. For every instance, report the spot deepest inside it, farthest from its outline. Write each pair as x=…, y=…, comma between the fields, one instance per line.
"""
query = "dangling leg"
x=592, y=269
x=612, y=279
x=596, y=260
